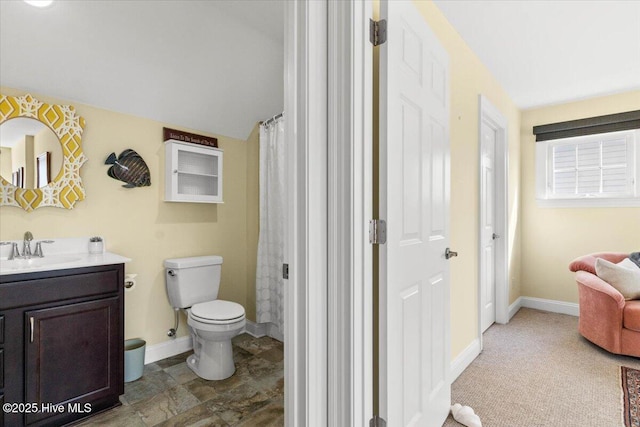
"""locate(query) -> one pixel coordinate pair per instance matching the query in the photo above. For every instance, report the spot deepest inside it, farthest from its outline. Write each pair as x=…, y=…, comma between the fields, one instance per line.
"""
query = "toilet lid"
x=217, y=310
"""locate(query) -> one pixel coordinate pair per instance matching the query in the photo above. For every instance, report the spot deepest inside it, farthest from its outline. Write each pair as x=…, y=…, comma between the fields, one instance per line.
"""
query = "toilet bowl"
x=192, y=285
x=212, y=325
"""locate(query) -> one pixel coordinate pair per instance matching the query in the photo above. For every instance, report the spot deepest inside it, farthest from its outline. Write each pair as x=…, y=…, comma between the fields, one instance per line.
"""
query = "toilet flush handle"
x=171, y=273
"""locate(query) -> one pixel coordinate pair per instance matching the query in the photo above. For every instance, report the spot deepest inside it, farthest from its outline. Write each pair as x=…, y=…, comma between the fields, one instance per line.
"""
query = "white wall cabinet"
x=193, y=173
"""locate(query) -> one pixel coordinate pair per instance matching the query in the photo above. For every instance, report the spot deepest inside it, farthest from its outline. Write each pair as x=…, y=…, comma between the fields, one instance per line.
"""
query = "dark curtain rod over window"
x=601, y=124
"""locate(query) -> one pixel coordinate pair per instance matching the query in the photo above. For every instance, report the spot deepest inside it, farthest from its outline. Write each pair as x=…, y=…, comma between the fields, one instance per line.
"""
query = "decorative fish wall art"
x=129, y=167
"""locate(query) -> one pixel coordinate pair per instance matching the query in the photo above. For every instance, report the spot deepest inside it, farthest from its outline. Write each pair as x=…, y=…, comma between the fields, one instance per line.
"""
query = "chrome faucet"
x=26, y=244
x=38, y=251
x=26, y=248
x=14, y=250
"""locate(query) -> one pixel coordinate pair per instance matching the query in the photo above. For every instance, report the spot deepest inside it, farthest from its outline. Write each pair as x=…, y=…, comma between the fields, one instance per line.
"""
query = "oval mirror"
x=30, y=153
x=47, y=173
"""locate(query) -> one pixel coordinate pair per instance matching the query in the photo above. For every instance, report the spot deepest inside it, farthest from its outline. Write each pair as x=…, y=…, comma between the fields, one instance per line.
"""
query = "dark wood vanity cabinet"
x=61, y=344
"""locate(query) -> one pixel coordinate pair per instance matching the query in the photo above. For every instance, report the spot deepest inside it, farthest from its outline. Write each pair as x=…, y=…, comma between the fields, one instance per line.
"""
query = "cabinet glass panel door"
x=194, y=173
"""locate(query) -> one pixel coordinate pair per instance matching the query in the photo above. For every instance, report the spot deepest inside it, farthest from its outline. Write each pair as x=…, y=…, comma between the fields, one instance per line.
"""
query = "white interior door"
x=414, y=200
x=487, y=225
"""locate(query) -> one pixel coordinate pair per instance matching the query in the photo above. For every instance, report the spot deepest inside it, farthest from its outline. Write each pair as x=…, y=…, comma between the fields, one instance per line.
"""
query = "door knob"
x=494, y=236
x=449, y=253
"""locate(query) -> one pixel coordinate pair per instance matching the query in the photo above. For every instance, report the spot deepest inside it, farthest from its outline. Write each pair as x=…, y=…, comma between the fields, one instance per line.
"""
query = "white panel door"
x=487, y=226
x=415, y=386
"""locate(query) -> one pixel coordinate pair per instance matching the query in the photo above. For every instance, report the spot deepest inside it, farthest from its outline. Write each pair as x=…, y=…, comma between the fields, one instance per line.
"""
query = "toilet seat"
x=217, y=312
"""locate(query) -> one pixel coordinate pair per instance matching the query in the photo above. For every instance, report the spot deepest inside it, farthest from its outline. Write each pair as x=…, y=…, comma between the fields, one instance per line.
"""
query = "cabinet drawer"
x=61, y=288
x=1, y=329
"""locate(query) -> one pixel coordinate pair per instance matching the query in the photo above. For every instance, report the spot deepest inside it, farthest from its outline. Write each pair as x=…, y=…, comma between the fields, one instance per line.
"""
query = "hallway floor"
x=170, y=394
x=538, y=370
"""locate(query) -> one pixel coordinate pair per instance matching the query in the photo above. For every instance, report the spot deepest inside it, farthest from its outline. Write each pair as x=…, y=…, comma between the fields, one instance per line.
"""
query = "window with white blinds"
x=603, y=166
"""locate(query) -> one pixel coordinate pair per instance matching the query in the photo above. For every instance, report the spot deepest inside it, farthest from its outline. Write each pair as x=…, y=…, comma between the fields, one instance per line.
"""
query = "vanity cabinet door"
x=70, y=352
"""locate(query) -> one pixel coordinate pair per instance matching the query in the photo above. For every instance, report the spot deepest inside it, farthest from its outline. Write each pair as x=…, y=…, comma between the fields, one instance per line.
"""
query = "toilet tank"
x=192, y=280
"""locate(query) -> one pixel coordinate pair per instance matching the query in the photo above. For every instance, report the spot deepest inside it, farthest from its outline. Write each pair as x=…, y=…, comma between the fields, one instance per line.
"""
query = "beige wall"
x=137, y=223
x=47, y=140
x=5, y=163
x=470, y=78
x=18, y=155
x=553, y=237
x=29, y=162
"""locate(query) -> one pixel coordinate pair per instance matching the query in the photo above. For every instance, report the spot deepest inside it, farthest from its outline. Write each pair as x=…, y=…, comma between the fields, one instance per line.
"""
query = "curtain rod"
x=272, y=119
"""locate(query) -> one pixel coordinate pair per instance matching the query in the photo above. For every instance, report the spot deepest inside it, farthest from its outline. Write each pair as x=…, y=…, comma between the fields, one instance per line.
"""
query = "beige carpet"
x=539, y=371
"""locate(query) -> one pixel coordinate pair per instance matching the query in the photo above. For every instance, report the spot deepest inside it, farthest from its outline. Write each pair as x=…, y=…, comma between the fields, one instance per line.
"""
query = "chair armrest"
x=593, y=283
x=588, y=262
x=601, y=311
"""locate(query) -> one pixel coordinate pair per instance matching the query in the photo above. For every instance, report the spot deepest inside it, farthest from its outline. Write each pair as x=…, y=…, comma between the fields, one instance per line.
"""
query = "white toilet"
x=192, y=284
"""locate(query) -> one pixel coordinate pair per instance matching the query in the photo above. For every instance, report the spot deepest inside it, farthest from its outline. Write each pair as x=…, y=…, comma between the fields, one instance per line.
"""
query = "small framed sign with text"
x=192, y=138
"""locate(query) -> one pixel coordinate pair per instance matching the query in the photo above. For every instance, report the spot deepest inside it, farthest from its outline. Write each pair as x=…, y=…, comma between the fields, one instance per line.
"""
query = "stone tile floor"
x=170, y=394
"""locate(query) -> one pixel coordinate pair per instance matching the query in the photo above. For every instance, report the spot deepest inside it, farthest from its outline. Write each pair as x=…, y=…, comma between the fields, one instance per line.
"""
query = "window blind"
x=597, y=168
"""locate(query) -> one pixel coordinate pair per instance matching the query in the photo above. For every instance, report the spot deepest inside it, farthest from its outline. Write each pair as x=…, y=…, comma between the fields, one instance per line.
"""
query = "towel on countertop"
x=465, y=415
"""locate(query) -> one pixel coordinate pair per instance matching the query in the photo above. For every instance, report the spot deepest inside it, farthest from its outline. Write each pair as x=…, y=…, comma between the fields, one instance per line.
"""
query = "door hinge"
x=285, y=271
x=377, y=31
x=377, y=232
x=377, y=421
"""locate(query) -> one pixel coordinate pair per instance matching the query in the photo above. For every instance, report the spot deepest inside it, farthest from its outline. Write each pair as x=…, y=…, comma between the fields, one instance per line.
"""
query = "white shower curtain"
x=269, y=281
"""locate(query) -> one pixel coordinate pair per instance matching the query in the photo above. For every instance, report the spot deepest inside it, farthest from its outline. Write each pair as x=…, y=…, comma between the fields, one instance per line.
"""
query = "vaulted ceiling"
x=213, y=66
x=218, y=65
x=549, y=52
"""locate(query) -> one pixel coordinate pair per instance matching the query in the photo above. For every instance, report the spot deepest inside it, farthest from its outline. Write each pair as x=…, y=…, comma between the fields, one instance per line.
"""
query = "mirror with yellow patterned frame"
x=64, y=188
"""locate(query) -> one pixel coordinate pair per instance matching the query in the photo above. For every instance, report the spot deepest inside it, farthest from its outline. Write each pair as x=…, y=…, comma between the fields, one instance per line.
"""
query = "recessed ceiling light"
x=39, y=3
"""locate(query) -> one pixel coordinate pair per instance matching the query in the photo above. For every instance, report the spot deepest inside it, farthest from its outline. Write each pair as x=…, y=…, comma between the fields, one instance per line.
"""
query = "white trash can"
x=133, y=359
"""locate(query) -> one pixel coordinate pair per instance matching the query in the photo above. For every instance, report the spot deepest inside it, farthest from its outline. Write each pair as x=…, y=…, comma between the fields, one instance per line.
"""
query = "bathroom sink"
x=36, y=263
x=49, y=260
x=19, y=263
x=59, y=254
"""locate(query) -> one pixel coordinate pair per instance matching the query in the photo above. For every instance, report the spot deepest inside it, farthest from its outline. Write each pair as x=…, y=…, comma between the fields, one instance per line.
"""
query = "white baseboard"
x=464, y=359
x=156, y=352
x=274, y=332
x=166, y=349
x=258, y=330
x=254, y=329
x=513, y=308
x=570, y=308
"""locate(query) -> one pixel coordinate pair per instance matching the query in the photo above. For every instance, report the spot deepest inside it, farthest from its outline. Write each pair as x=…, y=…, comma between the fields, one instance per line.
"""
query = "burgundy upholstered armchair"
x=606, y=319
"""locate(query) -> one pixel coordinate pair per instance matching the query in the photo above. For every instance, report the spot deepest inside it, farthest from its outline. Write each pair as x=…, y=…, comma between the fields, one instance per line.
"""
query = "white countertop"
x=60, y=255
